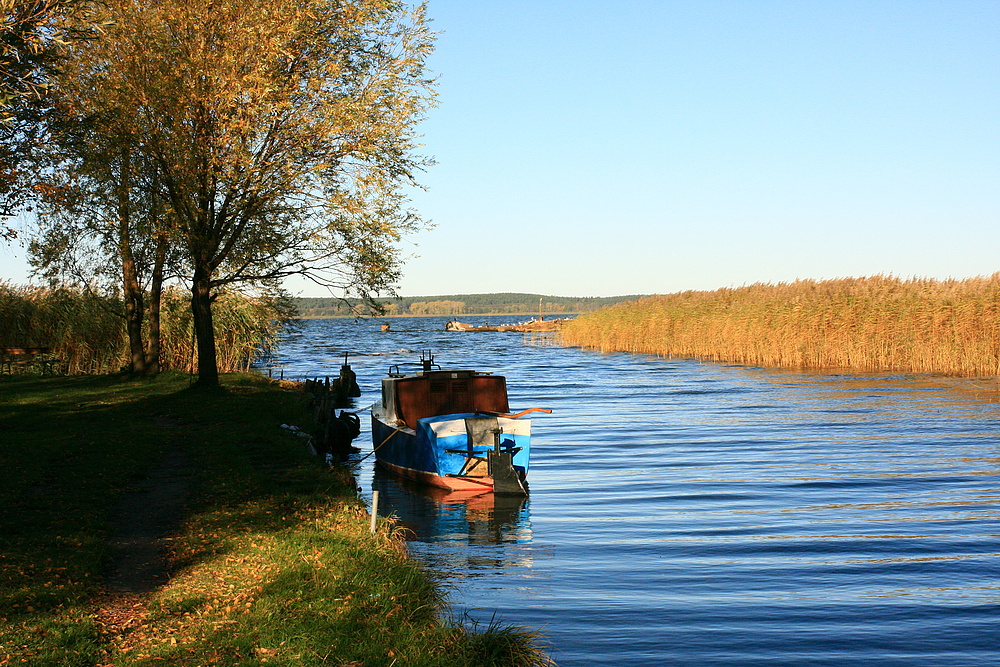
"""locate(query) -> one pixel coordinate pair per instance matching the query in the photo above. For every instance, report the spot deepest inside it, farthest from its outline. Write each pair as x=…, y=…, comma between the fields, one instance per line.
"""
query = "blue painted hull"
x=438, y=452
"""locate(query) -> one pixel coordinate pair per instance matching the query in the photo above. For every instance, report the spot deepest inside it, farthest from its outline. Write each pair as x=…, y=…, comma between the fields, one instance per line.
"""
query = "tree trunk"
x=155, y=297
x=133, y=316
x=201, y=310
x=131, y=287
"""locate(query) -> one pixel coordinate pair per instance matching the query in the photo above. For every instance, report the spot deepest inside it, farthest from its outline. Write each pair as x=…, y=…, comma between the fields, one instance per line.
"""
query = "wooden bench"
x=24, y=358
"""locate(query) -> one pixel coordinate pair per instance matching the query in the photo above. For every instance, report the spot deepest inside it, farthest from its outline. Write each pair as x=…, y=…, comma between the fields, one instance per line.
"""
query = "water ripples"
x=701, y=514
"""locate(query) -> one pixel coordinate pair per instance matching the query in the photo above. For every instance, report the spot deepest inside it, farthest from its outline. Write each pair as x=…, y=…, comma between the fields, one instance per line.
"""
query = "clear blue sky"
x=590, y=148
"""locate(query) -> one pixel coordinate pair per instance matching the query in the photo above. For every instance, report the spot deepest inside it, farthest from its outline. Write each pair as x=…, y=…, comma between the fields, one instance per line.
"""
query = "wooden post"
x=374, y=510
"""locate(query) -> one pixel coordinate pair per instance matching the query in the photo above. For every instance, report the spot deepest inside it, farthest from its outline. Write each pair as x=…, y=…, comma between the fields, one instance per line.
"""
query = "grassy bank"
x=268, y=558
x=870, y=324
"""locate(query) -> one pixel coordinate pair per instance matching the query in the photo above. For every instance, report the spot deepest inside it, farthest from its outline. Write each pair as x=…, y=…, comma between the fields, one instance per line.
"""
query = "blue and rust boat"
x=452, y=429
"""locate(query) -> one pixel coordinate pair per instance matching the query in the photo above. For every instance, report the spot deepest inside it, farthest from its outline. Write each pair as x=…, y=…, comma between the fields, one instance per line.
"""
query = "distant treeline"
x=871, y=324
x=505, y=303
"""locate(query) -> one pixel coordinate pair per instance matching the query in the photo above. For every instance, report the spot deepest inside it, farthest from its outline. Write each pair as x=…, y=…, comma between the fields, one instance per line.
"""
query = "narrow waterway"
x=702, y=514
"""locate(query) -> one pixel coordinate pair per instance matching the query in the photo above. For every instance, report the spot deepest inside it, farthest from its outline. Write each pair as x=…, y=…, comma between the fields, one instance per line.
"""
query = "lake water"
x=685, y=513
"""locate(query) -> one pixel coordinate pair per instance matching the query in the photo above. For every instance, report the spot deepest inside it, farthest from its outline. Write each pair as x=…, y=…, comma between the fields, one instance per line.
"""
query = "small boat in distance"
x=452, y=429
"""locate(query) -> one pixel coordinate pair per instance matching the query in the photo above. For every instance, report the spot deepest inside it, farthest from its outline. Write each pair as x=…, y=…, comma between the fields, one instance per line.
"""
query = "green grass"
x=273, y=562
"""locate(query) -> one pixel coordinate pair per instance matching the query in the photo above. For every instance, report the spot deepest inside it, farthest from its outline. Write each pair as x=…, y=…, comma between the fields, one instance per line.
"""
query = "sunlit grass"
x=870, y=324
x=273, y=563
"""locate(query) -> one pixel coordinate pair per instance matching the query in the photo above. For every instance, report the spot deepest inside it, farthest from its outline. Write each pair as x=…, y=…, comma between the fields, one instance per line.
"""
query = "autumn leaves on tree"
x=233, y=144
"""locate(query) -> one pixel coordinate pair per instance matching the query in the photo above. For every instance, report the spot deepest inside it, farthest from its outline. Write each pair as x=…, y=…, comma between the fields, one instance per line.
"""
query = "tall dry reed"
x=245, y=327
x=82, y=330
x=87, y=334
x=877, y=323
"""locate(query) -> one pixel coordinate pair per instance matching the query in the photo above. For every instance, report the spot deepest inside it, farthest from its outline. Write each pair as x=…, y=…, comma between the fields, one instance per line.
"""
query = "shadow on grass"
x=72, y=445
x=272, y=560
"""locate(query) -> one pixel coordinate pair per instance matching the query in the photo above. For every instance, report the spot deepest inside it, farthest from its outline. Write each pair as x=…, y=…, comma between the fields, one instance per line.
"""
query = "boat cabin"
x=430, y=393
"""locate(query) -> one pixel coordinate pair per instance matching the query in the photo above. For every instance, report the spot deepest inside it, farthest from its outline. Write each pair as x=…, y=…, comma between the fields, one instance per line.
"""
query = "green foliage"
x=871, y=324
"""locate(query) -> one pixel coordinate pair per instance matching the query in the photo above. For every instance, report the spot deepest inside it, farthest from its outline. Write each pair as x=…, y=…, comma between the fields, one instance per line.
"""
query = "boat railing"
x=426, y=364
x=395, y=369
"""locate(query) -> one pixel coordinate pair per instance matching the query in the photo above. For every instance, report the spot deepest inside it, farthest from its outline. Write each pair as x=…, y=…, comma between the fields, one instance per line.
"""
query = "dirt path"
x=144, y=519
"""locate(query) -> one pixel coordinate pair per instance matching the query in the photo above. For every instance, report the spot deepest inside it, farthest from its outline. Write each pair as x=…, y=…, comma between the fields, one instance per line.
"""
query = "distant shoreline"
x=460, y=315
x=501, y=304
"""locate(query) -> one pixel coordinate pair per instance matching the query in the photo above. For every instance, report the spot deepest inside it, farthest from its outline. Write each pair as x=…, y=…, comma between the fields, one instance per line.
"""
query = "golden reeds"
x=86, y=335
x=872, y=324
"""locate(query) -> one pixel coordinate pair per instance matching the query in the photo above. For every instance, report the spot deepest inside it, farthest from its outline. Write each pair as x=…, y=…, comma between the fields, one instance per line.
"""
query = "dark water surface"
x=702, y=514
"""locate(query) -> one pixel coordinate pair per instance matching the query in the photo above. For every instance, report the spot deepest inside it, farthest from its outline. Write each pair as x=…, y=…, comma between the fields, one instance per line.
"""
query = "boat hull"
x=439, y=452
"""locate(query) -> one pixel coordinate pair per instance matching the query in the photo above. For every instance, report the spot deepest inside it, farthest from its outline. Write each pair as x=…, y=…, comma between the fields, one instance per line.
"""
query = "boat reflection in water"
x=473, y=528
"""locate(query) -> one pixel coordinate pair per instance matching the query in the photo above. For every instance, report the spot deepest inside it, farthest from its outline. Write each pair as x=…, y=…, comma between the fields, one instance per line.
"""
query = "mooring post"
x=374, y=510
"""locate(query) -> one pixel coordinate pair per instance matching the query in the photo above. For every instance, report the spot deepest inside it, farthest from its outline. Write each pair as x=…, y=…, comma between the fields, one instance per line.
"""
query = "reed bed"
x=87, y=335
x=245, y=328
x=878, y=323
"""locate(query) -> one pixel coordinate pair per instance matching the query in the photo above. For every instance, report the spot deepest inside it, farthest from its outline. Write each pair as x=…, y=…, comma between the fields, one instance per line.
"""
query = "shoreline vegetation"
x=86, y=332
x=878, y=323
x=267, y=556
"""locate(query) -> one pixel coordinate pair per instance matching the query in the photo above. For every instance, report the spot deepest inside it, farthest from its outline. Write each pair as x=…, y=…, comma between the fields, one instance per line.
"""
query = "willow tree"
x=102, y=227
x=281, y=132
x=34, y=35
x=30, y=33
